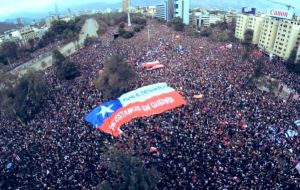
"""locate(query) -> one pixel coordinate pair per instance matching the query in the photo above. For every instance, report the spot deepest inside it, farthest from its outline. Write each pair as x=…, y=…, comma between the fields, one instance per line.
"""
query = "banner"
x=150, y=64
x=145, y=101
x=278, y=13
x=247, y=10
x=297, y=123
x=156, y=67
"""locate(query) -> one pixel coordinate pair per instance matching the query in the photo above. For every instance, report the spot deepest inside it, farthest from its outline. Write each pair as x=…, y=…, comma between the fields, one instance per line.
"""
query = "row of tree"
x=59, y=30
x=129, y=172
x=23, y=97
x=291, y=65
x=62, y=30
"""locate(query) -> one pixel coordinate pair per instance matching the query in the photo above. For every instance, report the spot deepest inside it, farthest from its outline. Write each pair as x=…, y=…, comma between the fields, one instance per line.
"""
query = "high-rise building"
x=161, y=11
x=169, y=9
x=182, y=10
x=268, y=34
x=287, y=38
x=274, y=35
x=255, y=23
x=165, y=10
x=241, y=26
x=125, y=5
x=298, y=54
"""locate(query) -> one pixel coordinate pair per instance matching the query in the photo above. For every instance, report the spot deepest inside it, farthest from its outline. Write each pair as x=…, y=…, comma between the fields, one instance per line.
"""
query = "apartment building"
x=287, y=38
x=209, y=19
x=161, y=11
x=255, y=24
x=182, y=8
x=298, y=54
x=268, y=34
x=169, y=9
x=241, y=26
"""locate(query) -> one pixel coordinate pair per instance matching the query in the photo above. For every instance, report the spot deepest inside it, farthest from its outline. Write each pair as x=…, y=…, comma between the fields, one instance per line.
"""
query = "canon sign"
x=280, y=13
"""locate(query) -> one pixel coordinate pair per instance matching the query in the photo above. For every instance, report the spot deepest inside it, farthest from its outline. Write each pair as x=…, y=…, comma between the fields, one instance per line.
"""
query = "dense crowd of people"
x=232, y=138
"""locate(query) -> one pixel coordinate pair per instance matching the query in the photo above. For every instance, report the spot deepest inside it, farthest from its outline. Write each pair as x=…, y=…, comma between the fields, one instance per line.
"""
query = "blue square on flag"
x=102, y=112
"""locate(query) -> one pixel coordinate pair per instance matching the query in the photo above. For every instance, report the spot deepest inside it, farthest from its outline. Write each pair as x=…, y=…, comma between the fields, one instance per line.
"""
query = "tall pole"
x=148, y=32
x=129, y=21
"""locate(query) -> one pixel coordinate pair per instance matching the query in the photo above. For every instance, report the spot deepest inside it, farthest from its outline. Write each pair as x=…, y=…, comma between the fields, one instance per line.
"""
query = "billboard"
x=286, y=14
x=247, y=10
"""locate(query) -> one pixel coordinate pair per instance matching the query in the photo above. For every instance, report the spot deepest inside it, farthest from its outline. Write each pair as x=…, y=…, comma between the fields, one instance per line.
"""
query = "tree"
x=64, y=69
x=31, y=43
x=177, y=23
x=127, y=34
x=9, y=50
x=115, y=78
x=88, y=40
x=25, y=97
x=130, y=172
x=248, y=37
x=137, y=28
x=291, y=65
x=58, y=58
x=139, y=20
x=190, y=31
x=68, y=70
x=206, y=32
x=122, y=25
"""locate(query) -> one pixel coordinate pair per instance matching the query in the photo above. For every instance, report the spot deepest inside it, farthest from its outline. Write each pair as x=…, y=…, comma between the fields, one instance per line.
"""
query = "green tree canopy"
x=248, y=37
x=291, y=64
x=129, y=171
x=64, y=69
x=177, y=23
x=115, y=78
x=9, y=50
x=25, y=97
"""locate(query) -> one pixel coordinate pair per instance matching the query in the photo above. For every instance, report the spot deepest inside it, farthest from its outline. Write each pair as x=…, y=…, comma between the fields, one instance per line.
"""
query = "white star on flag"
x=104, y=110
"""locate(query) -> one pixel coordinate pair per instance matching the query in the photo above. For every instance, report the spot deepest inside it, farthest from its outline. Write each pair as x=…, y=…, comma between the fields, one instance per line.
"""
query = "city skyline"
x=23, y=8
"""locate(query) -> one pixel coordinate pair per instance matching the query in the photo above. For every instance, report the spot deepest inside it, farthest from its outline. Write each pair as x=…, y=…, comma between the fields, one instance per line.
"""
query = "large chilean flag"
x=144, y=101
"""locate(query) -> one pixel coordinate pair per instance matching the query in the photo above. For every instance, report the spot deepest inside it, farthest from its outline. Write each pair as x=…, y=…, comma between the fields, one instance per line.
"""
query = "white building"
x=287, y=38
x=207, y=20
x=182, y=10
x=23, y=35
x=169, y=9
x=161, y=11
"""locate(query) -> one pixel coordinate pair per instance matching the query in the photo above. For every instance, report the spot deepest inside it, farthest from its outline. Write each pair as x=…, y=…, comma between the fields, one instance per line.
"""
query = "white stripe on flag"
x=297, y=122
x=144, y=93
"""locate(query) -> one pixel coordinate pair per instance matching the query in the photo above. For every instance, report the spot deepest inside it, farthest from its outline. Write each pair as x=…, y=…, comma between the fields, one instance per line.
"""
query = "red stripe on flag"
x=151, y=106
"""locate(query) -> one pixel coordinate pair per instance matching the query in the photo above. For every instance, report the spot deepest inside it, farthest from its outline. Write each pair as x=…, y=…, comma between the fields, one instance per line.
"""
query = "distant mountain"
x=8, y=26
x=26, y=18
x=24, y=21
x=260, y=5
x=30, y=17
x=96, y=6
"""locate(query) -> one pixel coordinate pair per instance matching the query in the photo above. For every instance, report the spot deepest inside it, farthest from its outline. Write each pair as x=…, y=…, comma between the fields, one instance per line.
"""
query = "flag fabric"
x=150, y=64
x=153, y=149
x=156, y=67
x=198, y=96
x=144, y=101
x=297, y=123
x=291, y=133
x=298, y=167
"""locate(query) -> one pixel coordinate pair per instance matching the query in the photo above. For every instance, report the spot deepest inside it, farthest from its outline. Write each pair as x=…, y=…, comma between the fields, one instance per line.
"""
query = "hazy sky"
x=10, y=7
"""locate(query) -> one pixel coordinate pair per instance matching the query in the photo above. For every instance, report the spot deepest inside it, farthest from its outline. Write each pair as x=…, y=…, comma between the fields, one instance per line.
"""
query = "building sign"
x=247, y=10
x=286, y=14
